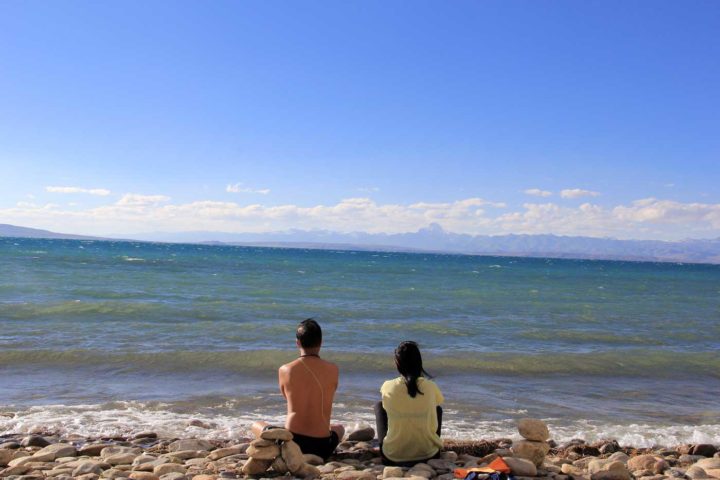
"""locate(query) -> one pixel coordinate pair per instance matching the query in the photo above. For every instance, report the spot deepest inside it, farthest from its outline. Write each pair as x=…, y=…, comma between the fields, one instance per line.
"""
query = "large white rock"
x=531, y=450
x=533, y=429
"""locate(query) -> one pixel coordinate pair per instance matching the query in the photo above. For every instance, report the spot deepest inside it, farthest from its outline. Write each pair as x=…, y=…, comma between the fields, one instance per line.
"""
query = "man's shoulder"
x=329, y=364
x=296, y=364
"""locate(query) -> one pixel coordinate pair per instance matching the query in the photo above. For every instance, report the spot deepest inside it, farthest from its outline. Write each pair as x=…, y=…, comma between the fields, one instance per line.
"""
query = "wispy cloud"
x=368, y=189
x=239, y=188
x=103, y=192
x=577, y=193
x=536, y=192
x=137, y=200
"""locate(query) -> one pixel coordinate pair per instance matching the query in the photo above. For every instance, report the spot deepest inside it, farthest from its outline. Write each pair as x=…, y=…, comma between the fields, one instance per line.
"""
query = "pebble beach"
x=146, y=456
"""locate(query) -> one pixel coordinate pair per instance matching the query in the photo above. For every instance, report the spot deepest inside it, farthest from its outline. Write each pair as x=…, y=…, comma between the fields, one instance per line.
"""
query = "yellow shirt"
x=412, y=422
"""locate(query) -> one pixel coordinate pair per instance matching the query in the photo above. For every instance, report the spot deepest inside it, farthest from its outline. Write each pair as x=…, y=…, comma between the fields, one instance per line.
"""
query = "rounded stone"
x=190, y=444
x=709, y=463
x=391, y=472
x=293, y=456
x=255, y=467
x=704, y=449
x=165, y=468
x=143, y=476
x=312, y=459
x=87, y=466
x=647, y=462
x=226, y=452
x=277, y=434
x=610, y=471
x=531, y=450
x=308, y=471
x=533, y=429
x=362, y=435
x=279, y=466
x=34, y=441
x=521, y=466
x=268, y=452
x=696, y=473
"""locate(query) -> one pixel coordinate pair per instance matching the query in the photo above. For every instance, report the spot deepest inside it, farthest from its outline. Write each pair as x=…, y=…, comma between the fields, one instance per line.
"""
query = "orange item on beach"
x=497, y=465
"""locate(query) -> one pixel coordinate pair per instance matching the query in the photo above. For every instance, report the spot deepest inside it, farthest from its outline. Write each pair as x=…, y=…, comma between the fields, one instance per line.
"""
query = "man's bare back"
x=309, y=385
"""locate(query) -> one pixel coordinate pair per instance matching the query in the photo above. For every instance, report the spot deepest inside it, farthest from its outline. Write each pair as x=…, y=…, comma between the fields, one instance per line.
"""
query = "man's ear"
x=297, y=342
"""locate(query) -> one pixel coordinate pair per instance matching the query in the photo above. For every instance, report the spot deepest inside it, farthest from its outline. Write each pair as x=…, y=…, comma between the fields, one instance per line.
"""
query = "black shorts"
x=323, y=447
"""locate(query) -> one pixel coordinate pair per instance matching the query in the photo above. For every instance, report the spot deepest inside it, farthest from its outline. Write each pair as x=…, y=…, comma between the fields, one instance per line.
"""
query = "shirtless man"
x=308, y=384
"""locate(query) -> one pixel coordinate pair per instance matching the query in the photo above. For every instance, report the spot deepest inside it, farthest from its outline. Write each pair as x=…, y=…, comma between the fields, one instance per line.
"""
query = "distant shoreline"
x=379, y=249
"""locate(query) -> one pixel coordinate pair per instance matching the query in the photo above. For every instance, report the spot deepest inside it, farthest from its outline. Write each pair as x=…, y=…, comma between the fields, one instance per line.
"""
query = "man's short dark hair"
x=309, y=334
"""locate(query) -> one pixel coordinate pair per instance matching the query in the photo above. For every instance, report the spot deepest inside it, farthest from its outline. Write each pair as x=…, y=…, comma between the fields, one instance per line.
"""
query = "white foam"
x=128, y=418
x=124, y=418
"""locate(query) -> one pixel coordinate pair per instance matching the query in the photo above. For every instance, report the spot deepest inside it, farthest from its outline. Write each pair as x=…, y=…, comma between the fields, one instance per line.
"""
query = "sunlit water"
x=115, y=337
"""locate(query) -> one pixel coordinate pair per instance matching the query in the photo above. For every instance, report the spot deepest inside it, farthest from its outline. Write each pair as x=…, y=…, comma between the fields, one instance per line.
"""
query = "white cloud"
x=645, y=218
x=134, y=199
x=238, y=188
x=537, y=192
x=651, y=210
x=577, y=193
x=92, y=191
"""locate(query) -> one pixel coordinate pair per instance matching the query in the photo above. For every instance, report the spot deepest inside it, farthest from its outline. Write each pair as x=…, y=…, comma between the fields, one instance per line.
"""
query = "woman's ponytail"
x=409, y=363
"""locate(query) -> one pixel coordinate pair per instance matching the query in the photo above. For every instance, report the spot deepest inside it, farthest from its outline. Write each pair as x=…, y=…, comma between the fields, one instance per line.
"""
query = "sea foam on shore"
x=129, y=418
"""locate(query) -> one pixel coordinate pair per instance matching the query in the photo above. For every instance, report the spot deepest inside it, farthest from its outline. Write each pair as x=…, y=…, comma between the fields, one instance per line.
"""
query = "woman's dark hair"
x=409, y=364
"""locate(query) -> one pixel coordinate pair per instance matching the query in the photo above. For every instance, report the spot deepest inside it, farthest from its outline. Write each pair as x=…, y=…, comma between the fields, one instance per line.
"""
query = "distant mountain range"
x=24, y=232
x=435, y=239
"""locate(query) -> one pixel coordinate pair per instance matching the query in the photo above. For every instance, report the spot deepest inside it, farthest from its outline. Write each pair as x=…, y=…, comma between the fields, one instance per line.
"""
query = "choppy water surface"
x=120, y=336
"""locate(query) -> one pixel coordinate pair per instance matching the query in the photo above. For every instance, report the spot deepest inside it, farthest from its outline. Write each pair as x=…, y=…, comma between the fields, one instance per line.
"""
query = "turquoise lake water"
x=99, y=337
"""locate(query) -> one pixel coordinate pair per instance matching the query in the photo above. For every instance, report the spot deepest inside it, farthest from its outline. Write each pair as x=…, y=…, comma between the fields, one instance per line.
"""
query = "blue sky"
x=122, y=117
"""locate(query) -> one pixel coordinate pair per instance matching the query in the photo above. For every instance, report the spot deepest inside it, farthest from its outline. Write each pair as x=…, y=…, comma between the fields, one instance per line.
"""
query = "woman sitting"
x=409, y=416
